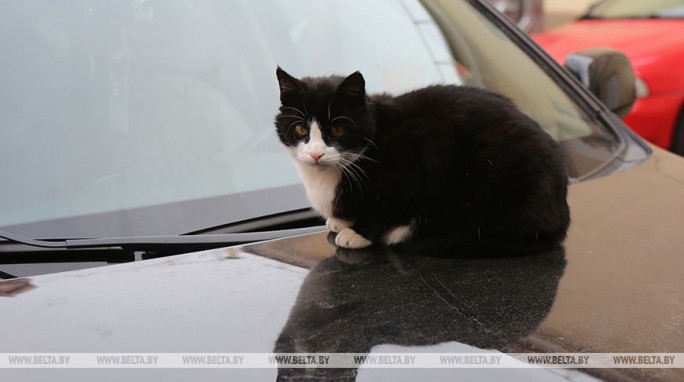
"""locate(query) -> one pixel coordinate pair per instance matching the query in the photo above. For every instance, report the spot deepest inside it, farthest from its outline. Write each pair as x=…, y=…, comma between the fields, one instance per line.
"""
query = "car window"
x=156, y=117
x=489, y=59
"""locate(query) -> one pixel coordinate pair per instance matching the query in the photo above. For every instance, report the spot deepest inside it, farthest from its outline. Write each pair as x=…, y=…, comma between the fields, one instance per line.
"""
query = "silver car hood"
x=218, y=301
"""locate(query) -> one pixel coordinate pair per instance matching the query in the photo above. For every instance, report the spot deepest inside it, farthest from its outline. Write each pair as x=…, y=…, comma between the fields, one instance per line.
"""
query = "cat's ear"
x=288, y=85
x=352, y=87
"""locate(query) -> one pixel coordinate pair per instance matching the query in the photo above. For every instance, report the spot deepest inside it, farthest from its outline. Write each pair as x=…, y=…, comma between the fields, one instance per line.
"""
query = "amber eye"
x=336, y=131
x=301, y=131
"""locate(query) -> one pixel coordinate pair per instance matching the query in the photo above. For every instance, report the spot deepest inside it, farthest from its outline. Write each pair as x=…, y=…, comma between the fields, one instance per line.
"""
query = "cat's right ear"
x=289, y=85
x=353, y=87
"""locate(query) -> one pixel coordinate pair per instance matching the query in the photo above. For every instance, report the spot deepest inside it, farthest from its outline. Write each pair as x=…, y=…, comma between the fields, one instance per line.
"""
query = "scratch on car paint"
x=465, y=310
x=11, y=288
x=436, y=292
x=454, y=296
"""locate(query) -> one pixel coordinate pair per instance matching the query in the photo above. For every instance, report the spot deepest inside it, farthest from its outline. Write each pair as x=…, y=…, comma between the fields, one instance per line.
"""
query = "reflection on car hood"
x=620, y=291
x=355, y=301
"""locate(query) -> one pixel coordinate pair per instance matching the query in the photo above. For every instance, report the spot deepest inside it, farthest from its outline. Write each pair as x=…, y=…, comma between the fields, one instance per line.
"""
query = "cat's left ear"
x=288, y=84
x=353, y=87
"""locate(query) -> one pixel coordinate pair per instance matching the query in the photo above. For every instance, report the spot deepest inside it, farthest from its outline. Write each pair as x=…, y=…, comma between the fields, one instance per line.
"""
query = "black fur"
x=459, y=163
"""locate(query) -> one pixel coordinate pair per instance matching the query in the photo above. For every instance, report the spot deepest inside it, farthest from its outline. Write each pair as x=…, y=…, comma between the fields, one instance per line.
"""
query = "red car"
x=651, y=34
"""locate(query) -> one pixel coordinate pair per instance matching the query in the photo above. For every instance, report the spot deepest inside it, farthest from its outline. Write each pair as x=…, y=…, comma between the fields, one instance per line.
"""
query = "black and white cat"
x=452, y=163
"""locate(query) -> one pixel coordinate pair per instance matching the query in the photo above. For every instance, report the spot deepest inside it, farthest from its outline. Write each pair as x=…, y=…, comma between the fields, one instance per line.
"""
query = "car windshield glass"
x=622, y=9
x=156, y=117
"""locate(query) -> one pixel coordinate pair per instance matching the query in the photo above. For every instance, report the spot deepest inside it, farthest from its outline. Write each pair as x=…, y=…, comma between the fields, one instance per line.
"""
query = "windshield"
x=156, y=117
x=624, y=9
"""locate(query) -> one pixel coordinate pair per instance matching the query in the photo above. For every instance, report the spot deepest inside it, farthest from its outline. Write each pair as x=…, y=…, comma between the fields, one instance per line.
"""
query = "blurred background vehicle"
x=528, y=15
x=651, y=34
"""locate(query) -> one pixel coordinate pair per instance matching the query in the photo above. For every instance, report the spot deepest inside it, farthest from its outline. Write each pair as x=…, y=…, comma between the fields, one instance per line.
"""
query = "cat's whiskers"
x=353, y=177
x=294, y=109
x=366, y=157
x=290, y=116
x=339, y=167
x=371, y=143
x=356, y=172
x=338, y=163
x=345, y=118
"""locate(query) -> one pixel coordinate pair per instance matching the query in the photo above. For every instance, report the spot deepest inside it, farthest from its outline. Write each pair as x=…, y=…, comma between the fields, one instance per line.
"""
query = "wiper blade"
x=644, y=17
x=151, y=246
x=10, y=237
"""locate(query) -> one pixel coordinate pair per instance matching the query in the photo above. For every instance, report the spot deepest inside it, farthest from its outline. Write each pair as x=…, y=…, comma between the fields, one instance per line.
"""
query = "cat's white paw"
x=348, y=238
x=336, y=225
x=398, y=234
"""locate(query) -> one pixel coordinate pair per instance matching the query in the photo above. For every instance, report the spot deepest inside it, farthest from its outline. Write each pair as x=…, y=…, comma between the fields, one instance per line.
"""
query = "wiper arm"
x=16, y=248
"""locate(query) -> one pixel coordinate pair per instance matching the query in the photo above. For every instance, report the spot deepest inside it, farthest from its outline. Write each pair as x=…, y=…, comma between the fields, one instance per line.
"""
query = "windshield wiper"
x=15, y=248
x=646, y=17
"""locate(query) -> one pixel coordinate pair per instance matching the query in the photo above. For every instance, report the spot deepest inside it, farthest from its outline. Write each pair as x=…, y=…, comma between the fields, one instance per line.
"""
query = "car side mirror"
x=608, y=74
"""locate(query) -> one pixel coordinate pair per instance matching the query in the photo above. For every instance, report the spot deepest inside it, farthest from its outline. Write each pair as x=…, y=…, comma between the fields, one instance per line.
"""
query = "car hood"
x=616, y=287
x=622, y=289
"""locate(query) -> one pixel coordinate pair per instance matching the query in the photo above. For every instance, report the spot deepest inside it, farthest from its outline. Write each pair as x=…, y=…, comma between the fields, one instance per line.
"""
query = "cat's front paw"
x=336, y=225
x=348, y=238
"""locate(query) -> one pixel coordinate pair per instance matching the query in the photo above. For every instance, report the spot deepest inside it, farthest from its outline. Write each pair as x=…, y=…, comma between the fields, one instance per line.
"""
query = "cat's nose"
x=316, y=156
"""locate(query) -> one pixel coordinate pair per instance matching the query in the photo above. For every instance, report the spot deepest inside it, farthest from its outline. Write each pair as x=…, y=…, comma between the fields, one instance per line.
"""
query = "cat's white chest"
x=320, y=184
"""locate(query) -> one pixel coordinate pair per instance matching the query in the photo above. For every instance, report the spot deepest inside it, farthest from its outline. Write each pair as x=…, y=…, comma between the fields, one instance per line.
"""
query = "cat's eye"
x=301, y=131
x=336, y=131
